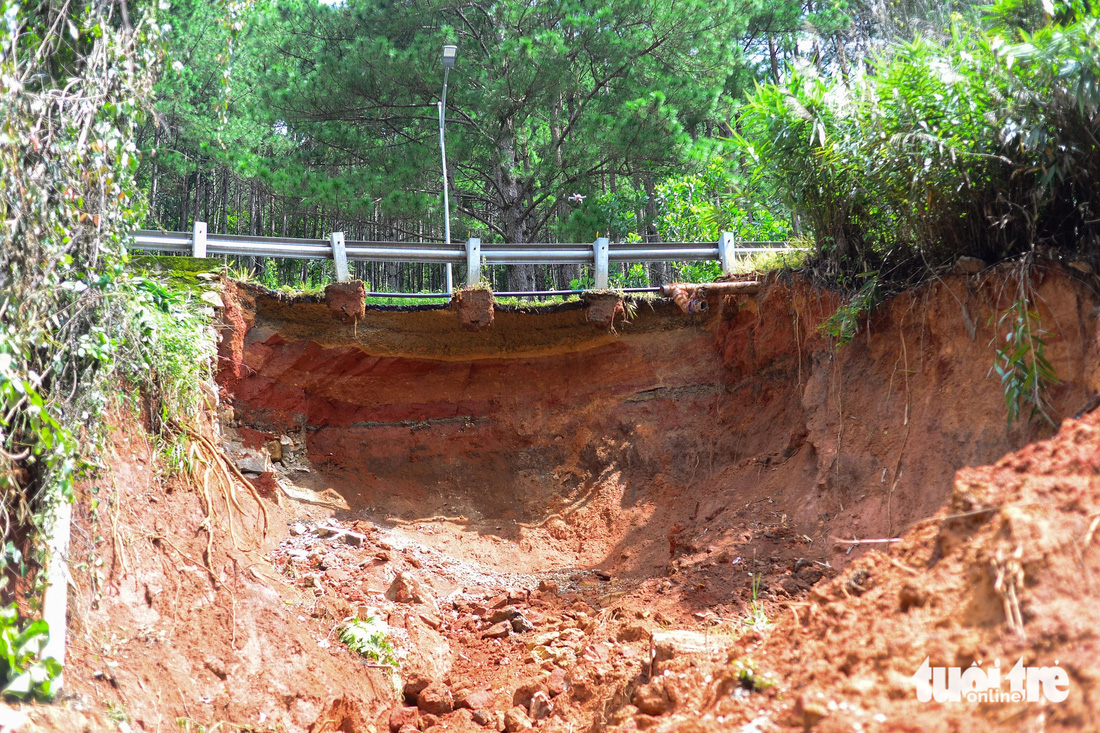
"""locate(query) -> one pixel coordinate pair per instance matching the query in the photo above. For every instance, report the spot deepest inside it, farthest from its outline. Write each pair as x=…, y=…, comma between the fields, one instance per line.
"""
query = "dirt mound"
x=1005, y=573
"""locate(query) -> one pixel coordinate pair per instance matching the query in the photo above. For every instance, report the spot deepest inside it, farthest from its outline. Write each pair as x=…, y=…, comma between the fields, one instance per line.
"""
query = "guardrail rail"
x=473, y=253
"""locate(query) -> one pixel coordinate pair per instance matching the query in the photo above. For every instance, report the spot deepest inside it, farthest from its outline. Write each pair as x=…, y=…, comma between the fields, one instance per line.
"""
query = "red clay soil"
x=174, y=625
x=570, y=527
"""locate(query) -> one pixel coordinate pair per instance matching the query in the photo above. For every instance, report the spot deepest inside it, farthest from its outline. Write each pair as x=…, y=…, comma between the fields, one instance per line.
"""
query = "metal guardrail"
x=473, y=253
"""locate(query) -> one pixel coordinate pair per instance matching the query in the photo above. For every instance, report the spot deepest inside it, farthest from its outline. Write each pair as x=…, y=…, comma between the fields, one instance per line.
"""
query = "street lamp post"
x=449, y=54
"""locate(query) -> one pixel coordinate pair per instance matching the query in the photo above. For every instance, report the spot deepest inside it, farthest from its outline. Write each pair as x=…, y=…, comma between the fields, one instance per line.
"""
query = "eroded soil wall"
x=666, y=422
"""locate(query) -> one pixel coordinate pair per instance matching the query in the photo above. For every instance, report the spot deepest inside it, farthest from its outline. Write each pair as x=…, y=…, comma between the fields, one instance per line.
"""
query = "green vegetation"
x=756, y=619
x=76, y=322
x=369, y=637
x=893, y=138
x=978, y=142
x=749, y=678
x=24, y=674
x=1021, y=362
x=843, y=325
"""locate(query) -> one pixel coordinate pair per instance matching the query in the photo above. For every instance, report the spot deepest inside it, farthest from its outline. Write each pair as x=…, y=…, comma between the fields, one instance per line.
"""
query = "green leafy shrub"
x=21, y=646
x=843, y=325
x=1021, y=363
x=370, y=638
x=700, y=207
x=982, y=143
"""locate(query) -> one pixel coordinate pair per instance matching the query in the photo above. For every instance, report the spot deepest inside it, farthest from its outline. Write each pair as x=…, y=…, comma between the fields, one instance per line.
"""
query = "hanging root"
x=225, y=463
x=208, y=464
x=227, y=470
x=1008, y=579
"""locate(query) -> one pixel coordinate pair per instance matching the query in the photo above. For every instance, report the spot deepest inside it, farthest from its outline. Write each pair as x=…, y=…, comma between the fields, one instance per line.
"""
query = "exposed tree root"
x=207, y=465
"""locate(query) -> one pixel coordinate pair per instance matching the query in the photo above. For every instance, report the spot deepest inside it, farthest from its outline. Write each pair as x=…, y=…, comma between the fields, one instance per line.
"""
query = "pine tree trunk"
x=224, y=215
x=184, y=201
x=660, y=272
x=520, y=277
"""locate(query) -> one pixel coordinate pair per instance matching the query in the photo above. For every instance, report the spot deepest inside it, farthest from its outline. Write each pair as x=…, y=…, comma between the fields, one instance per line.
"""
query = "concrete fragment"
x=212, y=297
x=666, y=645
x=248, y=460
x=346, y=535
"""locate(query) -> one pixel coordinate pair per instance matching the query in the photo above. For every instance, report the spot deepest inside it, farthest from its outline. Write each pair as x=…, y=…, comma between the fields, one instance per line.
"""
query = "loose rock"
x=516, y=720
x=498, y=631
x=477, y=700
x=415, y=683
x=521, y=625
x=540, y=706
x=407, y=589
x=401, y=717
x=435, y=699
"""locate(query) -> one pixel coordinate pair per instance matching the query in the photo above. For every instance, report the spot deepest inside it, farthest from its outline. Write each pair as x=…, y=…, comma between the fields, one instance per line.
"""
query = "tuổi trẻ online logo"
x=980, y=684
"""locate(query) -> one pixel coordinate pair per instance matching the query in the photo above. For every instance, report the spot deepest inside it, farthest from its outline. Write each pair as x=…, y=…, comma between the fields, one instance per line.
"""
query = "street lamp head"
x=449, y=53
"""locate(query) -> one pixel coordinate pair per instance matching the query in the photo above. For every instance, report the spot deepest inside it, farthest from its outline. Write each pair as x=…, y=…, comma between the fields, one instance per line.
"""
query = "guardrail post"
x=727, y=252
x=198, y=239
x=340, y=256
x=473, y=261
x=600, y=251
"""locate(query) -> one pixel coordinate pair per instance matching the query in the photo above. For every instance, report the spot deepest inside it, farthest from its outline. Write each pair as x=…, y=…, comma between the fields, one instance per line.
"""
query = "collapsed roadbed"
x=608, y=516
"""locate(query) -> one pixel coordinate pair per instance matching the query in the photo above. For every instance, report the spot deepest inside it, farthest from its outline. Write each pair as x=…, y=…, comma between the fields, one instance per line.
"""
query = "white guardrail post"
x=340, y=255
x=727, y=252
x=600, y=252
x=473, y=261
x=198, y=239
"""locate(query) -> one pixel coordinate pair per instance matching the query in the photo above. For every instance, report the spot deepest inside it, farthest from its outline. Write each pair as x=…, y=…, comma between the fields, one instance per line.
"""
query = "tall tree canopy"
x=545, y=98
